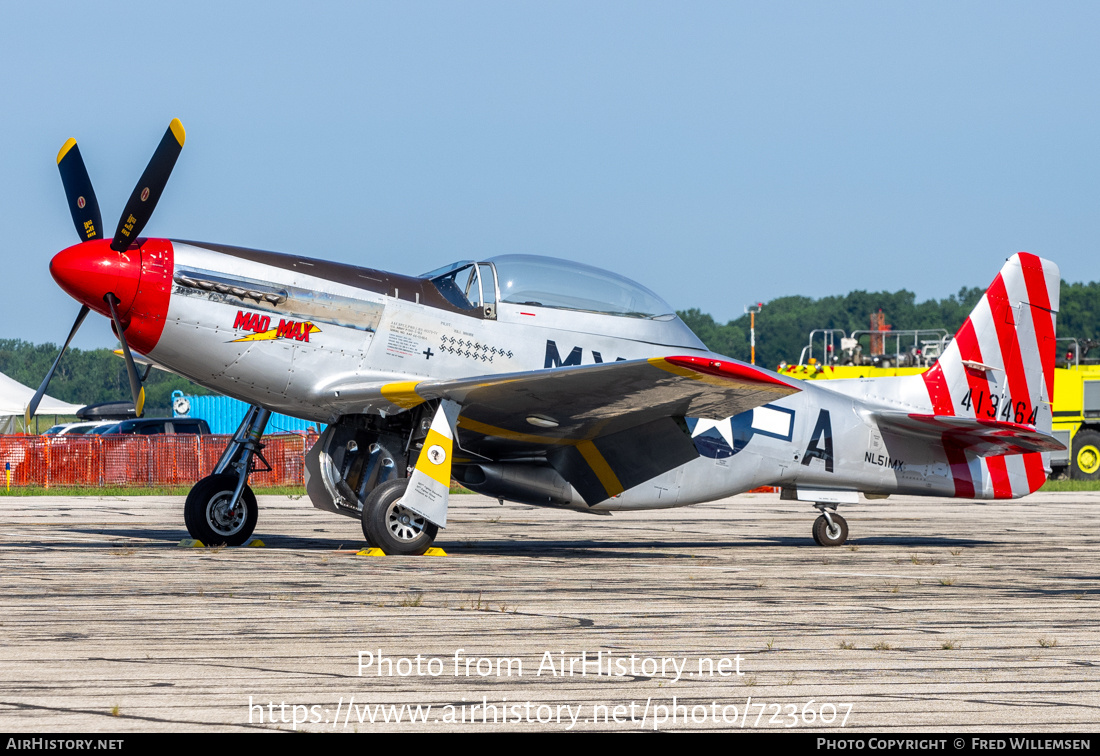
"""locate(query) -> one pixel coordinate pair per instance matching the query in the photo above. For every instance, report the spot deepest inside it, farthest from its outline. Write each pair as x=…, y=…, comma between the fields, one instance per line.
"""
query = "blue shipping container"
x=223, y=414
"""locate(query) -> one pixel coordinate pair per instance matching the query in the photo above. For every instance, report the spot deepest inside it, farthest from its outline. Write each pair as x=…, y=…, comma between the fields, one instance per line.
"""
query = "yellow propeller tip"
x=65, y=149
x=177, y=130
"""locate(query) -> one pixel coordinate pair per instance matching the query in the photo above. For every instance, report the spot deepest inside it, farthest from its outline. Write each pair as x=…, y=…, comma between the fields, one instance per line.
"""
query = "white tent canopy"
x=14, y=398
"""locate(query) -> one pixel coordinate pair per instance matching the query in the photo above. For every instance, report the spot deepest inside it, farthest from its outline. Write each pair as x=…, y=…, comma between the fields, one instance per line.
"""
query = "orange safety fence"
x=49, y=461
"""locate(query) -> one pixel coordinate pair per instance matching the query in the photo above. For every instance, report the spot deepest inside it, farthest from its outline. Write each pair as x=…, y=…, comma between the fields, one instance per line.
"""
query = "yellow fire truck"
x=1075, y=404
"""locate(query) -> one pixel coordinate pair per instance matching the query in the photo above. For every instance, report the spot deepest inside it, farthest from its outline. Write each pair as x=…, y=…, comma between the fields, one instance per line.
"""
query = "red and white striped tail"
x=1000, y=366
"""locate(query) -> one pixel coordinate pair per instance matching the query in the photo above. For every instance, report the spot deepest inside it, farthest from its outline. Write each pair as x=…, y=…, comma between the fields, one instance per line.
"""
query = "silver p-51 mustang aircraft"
x=540, y=381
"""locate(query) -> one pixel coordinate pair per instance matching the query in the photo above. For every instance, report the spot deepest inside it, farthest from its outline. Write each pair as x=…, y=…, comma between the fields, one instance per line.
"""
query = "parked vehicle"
x=156, y=426
x=77, y=429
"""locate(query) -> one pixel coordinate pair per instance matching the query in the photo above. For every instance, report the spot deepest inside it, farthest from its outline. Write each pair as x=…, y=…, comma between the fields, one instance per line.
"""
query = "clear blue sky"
x=720, y=153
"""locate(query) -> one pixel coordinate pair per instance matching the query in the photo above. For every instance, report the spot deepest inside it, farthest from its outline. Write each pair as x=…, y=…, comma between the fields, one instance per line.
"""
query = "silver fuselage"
x=356, y=338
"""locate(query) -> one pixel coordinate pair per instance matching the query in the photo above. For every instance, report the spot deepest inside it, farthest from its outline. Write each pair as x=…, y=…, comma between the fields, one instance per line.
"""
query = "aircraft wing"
x=983, y=437
x=605, y=427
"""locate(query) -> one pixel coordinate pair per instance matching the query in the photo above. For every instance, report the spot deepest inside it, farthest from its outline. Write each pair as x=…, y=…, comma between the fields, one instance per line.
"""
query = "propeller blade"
x=136, y=388
x=149, y=187
x=37, y=398
x=79, y=193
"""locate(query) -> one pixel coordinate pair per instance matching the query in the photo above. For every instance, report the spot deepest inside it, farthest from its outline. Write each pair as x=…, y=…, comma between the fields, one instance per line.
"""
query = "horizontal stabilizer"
x=982, y=437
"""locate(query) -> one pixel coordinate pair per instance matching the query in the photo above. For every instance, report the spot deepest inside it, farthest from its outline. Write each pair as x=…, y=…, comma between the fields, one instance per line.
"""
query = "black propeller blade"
x=89, y=225
x=136, y=388
x=37, y=398
x=79, y=193
x=149, y=187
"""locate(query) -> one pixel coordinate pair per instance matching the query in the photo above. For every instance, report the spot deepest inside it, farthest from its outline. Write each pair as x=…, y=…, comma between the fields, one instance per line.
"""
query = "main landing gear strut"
x=221, y=508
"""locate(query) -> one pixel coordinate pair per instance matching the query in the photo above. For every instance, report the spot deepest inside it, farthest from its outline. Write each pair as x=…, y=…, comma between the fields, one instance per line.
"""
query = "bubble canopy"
x=536, y=281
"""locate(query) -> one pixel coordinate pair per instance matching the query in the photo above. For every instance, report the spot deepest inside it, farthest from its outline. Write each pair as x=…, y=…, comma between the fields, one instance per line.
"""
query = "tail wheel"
x=390, y=526
x=834, y=535
x=1086, y=455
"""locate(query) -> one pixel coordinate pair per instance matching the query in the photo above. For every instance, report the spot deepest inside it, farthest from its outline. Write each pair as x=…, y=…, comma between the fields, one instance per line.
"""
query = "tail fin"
x=1000, y=365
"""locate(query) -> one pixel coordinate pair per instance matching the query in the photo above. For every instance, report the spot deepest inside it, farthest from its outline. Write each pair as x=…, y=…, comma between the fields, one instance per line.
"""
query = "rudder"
x=1000, y=365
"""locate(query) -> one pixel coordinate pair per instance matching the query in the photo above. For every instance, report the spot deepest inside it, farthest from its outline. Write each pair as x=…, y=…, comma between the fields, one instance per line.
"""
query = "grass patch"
x=882, y=646
x=1071, y=485
x=415, y=599
x=1048, y=642
x=949, y=645
x=847, y=645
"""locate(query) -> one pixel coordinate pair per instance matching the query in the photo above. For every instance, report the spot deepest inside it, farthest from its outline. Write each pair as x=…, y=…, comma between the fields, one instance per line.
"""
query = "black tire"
x=1085, y=456
x=823, y=536
x=206, y=516
x=392, y=528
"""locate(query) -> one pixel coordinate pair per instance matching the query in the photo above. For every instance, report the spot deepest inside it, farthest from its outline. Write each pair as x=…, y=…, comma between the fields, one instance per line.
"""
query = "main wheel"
x=1085, y=461
x=390, y=526
x=208, y=516
x=830, y=536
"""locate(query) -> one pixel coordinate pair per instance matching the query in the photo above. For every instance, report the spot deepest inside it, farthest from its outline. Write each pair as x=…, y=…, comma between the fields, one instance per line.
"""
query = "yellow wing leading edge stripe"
x=684, y=372
x=402, y=394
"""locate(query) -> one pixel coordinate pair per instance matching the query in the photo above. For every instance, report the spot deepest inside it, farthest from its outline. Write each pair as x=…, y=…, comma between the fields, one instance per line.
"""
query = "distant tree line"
x=783, y=325
x=88, y=376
